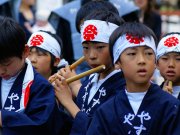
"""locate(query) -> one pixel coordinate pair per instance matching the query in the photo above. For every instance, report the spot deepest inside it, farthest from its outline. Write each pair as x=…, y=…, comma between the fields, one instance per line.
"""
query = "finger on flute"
x=53, y=79
x=170, y=84
x=74, y=65
x=77, y=77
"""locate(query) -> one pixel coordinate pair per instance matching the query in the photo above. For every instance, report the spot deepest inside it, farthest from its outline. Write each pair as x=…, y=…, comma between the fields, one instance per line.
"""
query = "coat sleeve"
x=174, y=128
x=98, y=125
x=81, y=123
x=37, y=113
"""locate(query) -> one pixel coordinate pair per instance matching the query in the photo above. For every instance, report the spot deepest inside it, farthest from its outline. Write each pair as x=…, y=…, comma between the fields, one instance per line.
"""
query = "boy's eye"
x=149, y=53
x=164, y=58
x=85, y=48
x=41, y=54
x=178, y=59
x=100, y=47
x=131, y=54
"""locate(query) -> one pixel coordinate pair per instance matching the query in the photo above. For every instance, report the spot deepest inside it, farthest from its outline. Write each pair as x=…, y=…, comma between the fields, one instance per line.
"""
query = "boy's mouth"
x=170, y=73
x=142, y=72
x=5, y=77
x=94, y=65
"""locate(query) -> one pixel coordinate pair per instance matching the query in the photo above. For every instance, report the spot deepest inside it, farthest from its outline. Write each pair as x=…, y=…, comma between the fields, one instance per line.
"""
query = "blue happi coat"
x=106, y=91
x=159, y=114
x=38, y=117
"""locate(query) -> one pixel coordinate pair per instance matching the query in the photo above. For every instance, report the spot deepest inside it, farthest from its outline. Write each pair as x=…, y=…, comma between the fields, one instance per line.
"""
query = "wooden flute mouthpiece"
x=76, y=63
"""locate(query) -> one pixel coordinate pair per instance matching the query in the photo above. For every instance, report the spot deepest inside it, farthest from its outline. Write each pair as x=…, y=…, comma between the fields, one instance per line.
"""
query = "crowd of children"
x=119, y=100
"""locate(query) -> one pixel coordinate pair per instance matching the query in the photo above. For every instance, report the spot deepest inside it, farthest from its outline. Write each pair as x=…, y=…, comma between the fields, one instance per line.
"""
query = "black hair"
x=133, y=28
x=106, y=16
x=83, y=2
x=91, y=6
x=170, y=33
x=12, y=39
x=132, y=17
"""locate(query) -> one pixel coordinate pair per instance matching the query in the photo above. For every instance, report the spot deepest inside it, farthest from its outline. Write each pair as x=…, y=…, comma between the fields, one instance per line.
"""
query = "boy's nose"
x=141, y=59
x=171, y=63
x=2, y=71
x=32, y=58
x=92, y=54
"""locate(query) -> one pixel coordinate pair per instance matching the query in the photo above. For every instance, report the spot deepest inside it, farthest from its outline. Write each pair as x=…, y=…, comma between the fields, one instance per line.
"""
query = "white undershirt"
x=6, y=87
x=97, y=83
x=176, y=91
x=135, y=99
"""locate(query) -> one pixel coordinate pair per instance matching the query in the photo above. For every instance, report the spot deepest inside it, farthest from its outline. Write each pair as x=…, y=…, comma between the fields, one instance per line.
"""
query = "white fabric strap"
x=97, y=30
x=46, y=42
x=127, y=41
x=27, y=82
x=169, y=43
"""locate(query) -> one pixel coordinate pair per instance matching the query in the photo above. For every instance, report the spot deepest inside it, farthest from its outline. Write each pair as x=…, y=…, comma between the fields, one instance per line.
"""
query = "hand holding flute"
x=64, y=72
x=94, y=70
x=168, y=86
x=63, y=91
x=73, y=81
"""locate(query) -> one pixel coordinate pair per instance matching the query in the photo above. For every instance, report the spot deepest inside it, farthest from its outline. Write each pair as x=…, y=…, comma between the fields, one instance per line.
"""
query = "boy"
x=84, y=11
x=142, y=107
x=45, y=52
x=168, y=62
x=27, y=99
x=45, y=56
x=99, y=87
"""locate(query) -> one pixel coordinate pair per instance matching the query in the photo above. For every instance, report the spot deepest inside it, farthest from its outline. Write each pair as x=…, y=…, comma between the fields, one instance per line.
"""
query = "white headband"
x=96, y=30
x=127, y=41
x=45, y=41
x=169, y=43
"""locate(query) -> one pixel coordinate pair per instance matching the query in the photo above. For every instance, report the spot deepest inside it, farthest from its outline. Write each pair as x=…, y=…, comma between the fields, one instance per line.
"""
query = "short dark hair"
x=106, y=16
x=133, y=28
x=170, y=33
x=12, y=39
x=91, y=6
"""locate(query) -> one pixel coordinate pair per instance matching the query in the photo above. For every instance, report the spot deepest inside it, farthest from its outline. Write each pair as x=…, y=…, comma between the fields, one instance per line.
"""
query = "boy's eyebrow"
x=176, y=54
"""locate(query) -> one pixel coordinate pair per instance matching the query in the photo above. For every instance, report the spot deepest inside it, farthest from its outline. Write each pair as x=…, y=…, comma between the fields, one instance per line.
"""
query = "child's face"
x=10, y=67
x=97, y=54
x=169, y=66
x=41, y=62
x=137, y=64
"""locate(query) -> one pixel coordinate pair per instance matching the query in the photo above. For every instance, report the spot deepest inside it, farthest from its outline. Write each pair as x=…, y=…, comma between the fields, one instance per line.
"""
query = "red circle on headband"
x=90, y=32
x=37, y=40
x=134, y=40
x=172, y=41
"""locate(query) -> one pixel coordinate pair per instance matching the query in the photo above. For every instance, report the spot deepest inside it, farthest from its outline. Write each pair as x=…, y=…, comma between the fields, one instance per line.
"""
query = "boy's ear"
x=26, y=51
x=118, y=65
x=157, y=65
x=56, y=62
